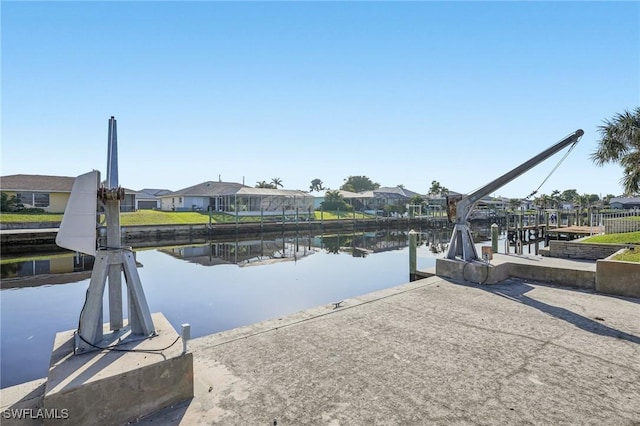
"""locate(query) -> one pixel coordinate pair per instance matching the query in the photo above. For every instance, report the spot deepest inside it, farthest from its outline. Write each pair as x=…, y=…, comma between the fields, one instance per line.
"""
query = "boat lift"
x=459, y=207
x=78, y=233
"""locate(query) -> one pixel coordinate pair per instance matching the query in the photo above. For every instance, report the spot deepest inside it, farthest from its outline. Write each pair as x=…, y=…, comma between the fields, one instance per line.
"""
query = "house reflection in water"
x=244, y=253
x=361, y=244
x=66, y=268
x=264, y=251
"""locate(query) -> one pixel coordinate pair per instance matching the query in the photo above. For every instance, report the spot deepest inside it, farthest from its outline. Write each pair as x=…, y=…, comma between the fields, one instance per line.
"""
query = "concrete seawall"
x=578, y=250
x=618, y=277
x=38, y=239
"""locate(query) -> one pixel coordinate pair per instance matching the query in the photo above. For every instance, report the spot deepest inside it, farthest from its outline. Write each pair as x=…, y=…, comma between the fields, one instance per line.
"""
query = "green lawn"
x=155, y=217
x=142, y=217
x=623, y=238
x=30, y=217
x=629, y=256
x=340, y=215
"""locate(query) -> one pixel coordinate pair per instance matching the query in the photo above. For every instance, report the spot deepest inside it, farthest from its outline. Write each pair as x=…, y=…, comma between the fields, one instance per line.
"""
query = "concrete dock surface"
x=433, y=351
x=429, y=352
x=545, y=262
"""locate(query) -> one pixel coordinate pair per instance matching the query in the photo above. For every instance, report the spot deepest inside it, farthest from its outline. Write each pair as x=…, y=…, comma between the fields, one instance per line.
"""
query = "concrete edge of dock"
x=266, y=326
x=226, y=347
x=29, y=395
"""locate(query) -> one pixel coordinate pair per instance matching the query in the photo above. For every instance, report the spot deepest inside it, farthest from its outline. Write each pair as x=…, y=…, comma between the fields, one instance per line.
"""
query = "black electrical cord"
x=115, y=248
x=114, y=347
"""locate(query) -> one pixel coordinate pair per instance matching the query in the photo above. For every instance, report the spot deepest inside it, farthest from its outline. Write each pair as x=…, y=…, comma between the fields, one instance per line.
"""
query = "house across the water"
x=238, y=199
x=624, y=202
x=51, y=193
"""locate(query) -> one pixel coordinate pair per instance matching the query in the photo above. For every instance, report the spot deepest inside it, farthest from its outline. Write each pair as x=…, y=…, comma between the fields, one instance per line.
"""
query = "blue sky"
x=403, y=92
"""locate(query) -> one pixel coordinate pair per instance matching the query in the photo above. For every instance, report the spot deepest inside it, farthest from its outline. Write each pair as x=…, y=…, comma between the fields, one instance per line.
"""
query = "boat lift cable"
x=550, y=173
x=553, y=170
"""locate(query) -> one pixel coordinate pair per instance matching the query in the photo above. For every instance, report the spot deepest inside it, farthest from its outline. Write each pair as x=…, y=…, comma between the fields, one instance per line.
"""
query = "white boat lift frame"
x=461, y=244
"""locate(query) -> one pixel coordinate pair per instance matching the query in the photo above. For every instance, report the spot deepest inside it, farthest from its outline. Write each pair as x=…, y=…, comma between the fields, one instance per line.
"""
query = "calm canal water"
x=214, y=286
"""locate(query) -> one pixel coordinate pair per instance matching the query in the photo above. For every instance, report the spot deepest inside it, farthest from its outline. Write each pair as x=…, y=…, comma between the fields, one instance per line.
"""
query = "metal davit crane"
x=78, y=233
x=459, y=208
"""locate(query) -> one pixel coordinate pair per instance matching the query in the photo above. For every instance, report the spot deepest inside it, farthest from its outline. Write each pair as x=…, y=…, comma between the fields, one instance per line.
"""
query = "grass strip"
x=622, y=238
x=628, y=256
x=157, y=217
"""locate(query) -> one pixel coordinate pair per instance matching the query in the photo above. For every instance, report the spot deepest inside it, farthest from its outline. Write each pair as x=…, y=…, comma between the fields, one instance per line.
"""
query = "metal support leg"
x=91, y=327
x=143, y=324
x=115, y=270
x=461, y=244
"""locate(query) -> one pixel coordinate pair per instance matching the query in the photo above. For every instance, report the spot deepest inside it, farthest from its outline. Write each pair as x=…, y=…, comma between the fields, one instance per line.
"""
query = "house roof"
x=41, y=183
x=36, y=183
x=441, y=197
x=397, y=191
x=349, y=194
x=270, y=191
x=209, y=188
x=394, y=192
x=155, y=192
x=625, y=200
x=150, y=194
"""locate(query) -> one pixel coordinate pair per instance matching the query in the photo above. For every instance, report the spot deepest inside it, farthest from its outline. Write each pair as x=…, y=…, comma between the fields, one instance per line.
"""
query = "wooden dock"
x=573, y=232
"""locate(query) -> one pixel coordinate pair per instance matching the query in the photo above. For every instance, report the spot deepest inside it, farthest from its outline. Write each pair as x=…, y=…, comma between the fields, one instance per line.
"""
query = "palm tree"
x=514, y=204
x=555, y=197
x=542, y=201
x=264, y=184
x=607, y=198
x=438, y=189
x=277, y=182
x=316, y=185
x=620, y=143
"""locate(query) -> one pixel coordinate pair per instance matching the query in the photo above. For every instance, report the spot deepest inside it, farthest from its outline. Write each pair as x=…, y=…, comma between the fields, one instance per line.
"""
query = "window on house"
x=33, y=199
x=180, y=199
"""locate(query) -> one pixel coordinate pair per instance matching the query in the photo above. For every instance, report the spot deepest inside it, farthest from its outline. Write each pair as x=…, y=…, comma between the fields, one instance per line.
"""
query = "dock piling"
x=495, y=231
x=413, y=248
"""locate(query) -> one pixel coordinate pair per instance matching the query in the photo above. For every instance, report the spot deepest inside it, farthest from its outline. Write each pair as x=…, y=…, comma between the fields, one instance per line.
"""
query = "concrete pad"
x=474, y=272
x=114, y=387
x=430, y=352
x=563, y=272
x=20, y=404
